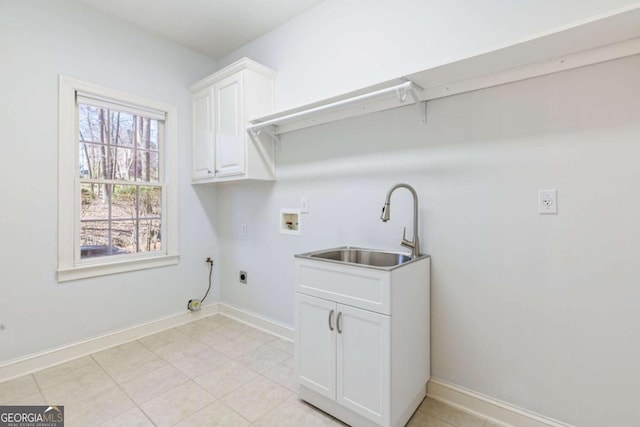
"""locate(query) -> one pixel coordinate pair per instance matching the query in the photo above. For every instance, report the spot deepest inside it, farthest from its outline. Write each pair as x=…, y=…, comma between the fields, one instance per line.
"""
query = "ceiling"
x=212, y=27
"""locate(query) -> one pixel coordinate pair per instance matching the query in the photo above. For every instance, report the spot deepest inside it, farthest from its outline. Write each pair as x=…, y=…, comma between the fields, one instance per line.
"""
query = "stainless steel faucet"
x=386, y=215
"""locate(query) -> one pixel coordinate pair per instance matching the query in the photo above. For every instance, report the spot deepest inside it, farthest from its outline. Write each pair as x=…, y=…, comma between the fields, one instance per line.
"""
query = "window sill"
x=120, y=266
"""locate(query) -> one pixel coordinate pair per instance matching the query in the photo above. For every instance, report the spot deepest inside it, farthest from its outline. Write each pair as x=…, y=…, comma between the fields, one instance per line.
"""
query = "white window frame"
x=70, y=266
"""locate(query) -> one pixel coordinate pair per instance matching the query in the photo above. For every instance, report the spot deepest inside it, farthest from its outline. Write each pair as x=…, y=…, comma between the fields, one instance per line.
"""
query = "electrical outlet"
x=242, y=277
x=243, y=229
x=547, y=202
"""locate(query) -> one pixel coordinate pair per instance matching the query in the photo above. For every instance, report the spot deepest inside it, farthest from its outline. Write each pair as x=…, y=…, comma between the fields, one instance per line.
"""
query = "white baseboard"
x=485, y=407
x=268, y=325
x=38, y=361
x=479, y=405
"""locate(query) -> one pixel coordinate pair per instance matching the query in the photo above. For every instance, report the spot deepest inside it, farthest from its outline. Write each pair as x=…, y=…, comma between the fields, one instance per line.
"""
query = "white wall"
x=343, y=45
x=38, y=41
x=537, y=311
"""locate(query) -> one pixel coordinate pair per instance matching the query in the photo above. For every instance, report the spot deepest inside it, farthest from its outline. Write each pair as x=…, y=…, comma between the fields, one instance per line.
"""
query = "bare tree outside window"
x=120, y=189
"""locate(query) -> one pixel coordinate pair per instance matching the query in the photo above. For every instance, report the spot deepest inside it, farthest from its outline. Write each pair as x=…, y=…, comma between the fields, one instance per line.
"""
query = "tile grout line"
x=4, y=403
x=39, y=388
x=234, y=334
x=147, y=347
x=197, y=410
x=236, y=360
x=209, y=347
x=66, y=381
x=189, y=379
x=123, y=390
x=276, y=405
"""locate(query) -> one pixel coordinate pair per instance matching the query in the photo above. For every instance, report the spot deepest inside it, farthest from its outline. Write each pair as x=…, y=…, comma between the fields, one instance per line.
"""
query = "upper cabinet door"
x=230, y=132
x=203, y=131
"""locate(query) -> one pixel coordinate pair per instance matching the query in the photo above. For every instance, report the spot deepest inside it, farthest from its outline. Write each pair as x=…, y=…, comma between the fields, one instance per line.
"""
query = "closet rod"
x=401, y=90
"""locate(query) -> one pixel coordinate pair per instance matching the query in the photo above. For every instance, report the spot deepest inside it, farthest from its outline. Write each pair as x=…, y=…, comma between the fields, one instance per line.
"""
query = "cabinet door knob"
x=330, y=319
x=338, y=322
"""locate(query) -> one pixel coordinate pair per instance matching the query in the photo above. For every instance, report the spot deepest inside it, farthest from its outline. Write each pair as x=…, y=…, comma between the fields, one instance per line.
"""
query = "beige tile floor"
x=212, y=372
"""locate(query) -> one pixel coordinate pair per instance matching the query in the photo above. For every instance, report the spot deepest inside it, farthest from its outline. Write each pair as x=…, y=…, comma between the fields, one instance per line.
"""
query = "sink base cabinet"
x=366, y=368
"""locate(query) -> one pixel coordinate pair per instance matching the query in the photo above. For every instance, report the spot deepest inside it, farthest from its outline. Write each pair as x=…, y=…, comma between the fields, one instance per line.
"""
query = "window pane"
x=93, y=161
x=150, y=235
x=89, y=123
x=123, y=202
x=109, y=163
x=124, y=164
x=149, y=201
x=94, y=239
x=154, y=135
x=84, y=162
x=94, y=201
x=148, y=166
x=122, y=128
x=147, y=133
x=123, y=237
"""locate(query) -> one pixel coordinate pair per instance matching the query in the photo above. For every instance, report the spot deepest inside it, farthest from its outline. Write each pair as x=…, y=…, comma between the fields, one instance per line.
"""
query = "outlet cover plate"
x=547, y=202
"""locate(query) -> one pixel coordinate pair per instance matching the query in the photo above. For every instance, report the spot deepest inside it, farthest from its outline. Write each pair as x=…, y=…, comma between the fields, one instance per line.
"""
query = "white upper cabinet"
x=222, y=105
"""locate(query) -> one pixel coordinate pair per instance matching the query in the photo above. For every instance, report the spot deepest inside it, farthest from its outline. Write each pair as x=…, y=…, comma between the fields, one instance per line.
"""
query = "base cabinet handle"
x=338, y=322
x=331, y=320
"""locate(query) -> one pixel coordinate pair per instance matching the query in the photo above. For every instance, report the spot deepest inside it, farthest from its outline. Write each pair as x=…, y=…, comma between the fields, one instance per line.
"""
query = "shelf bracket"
x=421, y=105
x=412, y=89
x=269, y=130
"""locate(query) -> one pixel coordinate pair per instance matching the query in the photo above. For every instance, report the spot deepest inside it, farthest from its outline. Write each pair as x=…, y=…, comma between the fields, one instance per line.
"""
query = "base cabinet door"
x=315, y=351
x=363, y=362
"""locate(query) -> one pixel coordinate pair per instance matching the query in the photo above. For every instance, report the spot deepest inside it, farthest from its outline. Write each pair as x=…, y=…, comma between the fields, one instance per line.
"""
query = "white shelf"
x=600, y=39
x=403, y=92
